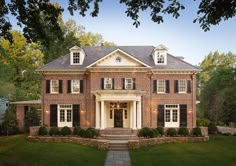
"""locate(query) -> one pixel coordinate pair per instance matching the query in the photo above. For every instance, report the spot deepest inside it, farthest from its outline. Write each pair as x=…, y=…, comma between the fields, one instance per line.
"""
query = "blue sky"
x=181, y=36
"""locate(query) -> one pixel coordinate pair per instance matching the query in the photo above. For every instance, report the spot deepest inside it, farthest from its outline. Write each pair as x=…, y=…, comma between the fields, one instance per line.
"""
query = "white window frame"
x=108, y=83
x=129, y=85
x=66, y=108
x=159, y=83
x=52, y=86
x=161, y=58
x=171, y=108
x=75, y=83
x=78, y=56
x=182, y=86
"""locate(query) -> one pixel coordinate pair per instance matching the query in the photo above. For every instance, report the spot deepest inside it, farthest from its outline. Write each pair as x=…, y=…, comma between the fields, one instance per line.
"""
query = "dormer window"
x=77, y=55
x=76, y=58
x=160, y=58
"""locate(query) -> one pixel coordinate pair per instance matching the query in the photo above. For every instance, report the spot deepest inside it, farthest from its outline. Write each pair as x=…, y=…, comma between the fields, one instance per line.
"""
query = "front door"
x=172, y=118
x=118, y=118
x=65, y=115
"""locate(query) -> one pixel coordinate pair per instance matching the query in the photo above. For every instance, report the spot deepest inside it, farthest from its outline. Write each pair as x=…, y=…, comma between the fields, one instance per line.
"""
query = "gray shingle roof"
x=94, y=53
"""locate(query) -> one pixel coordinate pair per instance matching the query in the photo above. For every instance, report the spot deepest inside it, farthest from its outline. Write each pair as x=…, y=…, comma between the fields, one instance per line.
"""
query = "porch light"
x=190, y=110
x=118, y=104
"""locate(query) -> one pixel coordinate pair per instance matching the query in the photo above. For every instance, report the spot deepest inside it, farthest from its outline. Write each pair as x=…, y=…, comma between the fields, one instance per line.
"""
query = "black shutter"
x=81, y=88
x=53, y=115
x=26, y=108
x=167, y=86
x=154, y=86
x=123, y=83
x=68, y=86
x=189, y=86
x=160, y=118
x=60, y=86
x=76, y=115
x=113, y=83
x=183, y=115
x=47, y=86
x=134, y=84
x=102, y=83
x=176, y=86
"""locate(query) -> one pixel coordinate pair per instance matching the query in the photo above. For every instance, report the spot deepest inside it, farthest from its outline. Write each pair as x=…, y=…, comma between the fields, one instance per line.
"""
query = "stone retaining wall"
x=135, y=144
x=226, y=130
x=100, y=144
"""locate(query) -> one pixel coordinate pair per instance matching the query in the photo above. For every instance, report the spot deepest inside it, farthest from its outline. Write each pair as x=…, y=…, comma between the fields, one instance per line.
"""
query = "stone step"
x=116, y=132
x=118, y=137
x=118, y=146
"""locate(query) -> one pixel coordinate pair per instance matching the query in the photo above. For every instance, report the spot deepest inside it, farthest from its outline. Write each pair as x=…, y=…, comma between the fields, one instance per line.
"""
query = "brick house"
x=119, y=87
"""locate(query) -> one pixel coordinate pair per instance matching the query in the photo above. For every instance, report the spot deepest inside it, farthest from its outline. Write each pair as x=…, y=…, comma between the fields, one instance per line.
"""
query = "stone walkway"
x=118, y=158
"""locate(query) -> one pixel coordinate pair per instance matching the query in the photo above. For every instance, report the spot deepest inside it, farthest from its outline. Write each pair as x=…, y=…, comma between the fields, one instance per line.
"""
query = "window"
x=128, y=83
x=110, y=114
x=182, y=86
x=107, y=83
x=118, y=60
x=54, y=86
x=69, y=116
x=161, y=86
x=62, y=115
x=76, y=58
x=75, y=86
x=160, y=58
x=126, y=114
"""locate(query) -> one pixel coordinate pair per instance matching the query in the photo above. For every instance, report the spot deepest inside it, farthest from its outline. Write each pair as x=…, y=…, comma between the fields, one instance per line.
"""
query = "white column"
x=102, y=114
x=134, y=115
x=97, y=115
x=139, y=116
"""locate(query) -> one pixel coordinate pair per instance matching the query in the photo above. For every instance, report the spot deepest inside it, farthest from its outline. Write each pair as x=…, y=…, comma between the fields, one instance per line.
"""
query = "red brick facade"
x=144, y=81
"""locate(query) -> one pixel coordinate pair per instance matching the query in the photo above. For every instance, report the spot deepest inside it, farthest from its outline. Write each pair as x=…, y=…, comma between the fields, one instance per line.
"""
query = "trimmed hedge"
x=171, y=132
x=183, y=131
x=54, y=131
x=42, y=131
x=147, y=132
x=197, y=132
x=160, y=130
x=91, y=133
x=65, y=131
x=212, y=129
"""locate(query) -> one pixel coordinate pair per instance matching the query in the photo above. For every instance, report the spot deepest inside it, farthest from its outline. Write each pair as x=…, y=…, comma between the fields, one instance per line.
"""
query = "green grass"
x=18, y=150
x=219, y=151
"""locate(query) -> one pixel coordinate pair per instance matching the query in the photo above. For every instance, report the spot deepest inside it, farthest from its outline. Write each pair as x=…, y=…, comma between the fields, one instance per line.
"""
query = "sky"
x=181, y=36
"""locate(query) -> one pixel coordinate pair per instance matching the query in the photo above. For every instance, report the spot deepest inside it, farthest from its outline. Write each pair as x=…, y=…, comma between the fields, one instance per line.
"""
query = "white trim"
x=66, y=108
x=164, y=86
x=105, y=83
x=126, y=83
x=186, y=86
x=130, y=56
x=71, y=85
x=51, y=92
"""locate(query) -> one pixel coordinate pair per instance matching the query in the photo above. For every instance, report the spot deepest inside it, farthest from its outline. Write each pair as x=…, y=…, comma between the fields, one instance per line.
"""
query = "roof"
x=29, y=102
x=94, y=53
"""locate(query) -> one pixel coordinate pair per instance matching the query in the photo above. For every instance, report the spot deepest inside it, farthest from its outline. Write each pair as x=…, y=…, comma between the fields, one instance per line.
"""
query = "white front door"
x=171, y=116
x=65, y=115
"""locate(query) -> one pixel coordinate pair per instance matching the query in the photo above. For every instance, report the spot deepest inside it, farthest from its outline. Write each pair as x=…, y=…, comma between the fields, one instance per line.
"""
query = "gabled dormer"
x=160, y=55
x=76, y=56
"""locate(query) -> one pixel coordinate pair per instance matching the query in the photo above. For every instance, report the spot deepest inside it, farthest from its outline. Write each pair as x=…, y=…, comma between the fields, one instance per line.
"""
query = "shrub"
x=212, y=129
x=90, y=133
x=197, y=132
x=54, y=131
x=42, y=131
x=32, y=118
x=202, y=122
x=183, y=131
x=76, y=131
x=226, y=134
x=65, y=131
x=82, y=133
x=171, y=132
x=234, y=134
x=144, y=132
x=155, y=133
x=161, y=131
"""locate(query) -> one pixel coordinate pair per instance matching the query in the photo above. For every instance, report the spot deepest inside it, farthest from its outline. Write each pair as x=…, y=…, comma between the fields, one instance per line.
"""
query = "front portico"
x=118, y=109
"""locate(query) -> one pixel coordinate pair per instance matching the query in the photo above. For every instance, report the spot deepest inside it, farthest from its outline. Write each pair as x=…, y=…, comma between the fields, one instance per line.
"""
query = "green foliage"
x=147, y=132
x=197, y=132
x=65, y=131
x=91, y=133
x=183, y=131
x=43, y=131
x=161, y=131
x=171, y=132
x=212, y=129
x=9, y=124
x=76, y=131
x=54, y=131
x=203, y=122
x=32, y=118
x=82, y=133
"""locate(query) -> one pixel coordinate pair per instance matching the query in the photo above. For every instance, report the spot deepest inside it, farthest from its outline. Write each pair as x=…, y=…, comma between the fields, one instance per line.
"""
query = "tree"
x=32, y=118
x=32, y=14
x=9, y=125
x=22, y=59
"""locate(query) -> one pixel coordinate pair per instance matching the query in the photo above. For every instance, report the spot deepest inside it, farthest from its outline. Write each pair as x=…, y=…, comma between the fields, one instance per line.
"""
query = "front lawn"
x=219, y=151
x=17, y=150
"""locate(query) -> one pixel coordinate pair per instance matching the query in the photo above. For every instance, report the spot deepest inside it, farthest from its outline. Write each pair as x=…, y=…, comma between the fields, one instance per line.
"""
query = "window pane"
x=128, y=83
x=167, y=116
x=182, y=85
x=161, y=86
x=110, y=114
x=160, y=58
x=75, y=86
x=76, y=57
x=68, y=115
x=126, y=114
x=107, y=83
x=54, y=86
x=175, y=116
x=62, y=115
